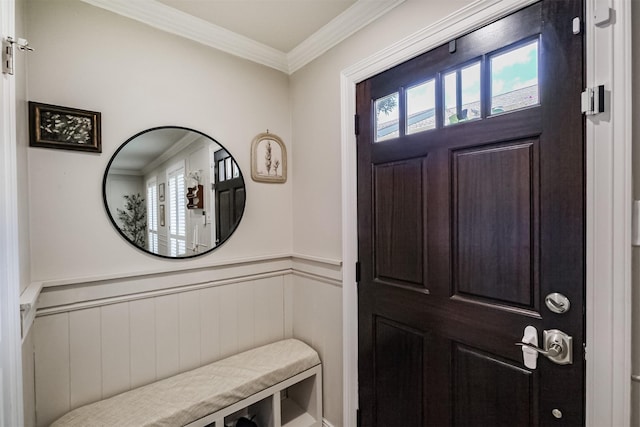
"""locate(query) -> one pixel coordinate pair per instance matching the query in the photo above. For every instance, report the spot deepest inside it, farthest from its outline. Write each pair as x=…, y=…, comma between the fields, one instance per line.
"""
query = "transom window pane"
x=450, y=98
x=387, y=117
x=462, y=94
x=514, y=79
x=470, y=92
x=421, y=107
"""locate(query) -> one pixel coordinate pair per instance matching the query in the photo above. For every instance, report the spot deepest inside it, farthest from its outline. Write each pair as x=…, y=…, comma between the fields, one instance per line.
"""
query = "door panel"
x=486, y=388
x=465, y=228
x=494, y=200
x=399, y=200
x=399, y=371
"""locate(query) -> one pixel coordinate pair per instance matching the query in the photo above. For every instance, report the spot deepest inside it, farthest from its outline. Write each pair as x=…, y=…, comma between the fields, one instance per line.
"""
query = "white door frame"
x=11, y=412
x=608, y=275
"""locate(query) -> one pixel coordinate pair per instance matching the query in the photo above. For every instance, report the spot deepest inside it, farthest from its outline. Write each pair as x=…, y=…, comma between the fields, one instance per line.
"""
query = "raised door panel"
x=491, y=392
x=494, y=199
x=399, y=203
x=398, y=373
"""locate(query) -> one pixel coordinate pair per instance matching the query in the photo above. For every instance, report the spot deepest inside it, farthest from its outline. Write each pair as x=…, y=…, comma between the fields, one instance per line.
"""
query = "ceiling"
x=281, y=24
x=281, y=34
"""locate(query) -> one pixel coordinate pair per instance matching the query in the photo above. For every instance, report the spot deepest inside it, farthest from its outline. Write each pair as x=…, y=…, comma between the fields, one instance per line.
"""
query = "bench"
x=278, y=384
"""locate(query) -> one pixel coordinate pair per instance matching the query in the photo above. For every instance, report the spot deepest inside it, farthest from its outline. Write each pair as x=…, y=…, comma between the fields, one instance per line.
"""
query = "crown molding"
x=173, y=21
x=165, y=18
x=359, y=15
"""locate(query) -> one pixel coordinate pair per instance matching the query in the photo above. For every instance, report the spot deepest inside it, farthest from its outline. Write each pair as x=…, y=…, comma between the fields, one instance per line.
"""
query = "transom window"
x=496, y=83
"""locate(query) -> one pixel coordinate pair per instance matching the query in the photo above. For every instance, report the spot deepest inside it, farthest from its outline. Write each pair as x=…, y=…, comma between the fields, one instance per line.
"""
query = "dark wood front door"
x=229, y=195
x=471, y=210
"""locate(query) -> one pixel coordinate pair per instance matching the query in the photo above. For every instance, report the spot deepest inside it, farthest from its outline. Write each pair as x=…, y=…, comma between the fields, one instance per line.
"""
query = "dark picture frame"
x=53, y=126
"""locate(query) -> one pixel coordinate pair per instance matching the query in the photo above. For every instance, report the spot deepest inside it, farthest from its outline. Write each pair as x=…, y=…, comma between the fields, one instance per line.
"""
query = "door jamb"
x=11, y=399
x=608, y=257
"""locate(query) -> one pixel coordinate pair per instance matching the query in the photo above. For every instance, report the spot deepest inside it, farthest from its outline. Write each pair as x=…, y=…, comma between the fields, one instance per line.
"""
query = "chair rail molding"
x=62, y=295
x=608, y=198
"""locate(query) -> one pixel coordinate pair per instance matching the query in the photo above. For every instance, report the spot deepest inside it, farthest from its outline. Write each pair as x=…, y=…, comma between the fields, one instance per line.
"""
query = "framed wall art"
x=52, y=126
x=268, y=159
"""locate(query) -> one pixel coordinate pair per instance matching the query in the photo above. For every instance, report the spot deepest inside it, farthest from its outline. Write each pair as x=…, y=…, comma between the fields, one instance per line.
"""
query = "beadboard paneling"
x=51, y=336
x=115, y=346
x=190, y=337
x=210, y=325
x=317, y=320
x=167, y=336
x=93, y=353
x=85, y=356
x=142, y=333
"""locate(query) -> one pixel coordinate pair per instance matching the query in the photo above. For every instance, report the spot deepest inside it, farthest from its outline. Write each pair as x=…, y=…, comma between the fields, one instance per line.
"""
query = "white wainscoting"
x=102, y=336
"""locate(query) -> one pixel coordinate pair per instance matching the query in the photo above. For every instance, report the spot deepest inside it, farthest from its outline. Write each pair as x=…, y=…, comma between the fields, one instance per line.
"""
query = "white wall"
x=138, y=78
x=315, y=94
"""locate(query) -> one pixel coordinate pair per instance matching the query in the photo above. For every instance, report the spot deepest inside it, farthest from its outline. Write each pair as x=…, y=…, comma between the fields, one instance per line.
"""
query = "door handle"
x=554, y=351
x=557, y=347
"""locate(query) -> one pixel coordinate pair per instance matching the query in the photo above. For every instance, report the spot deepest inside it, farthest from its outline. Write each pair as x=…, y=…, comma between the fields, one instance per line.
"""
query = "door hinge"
x=356, y=124
x=8, y=53
x=635, y=223
x=592, y=100
x=357, y=271
x=7, y=56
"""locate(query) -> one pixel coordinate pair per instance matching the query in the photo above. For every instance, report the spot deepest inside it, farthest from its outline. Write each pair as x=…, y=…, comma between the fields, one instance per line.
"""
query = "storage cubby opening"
x=299, y=404
x=261, y=413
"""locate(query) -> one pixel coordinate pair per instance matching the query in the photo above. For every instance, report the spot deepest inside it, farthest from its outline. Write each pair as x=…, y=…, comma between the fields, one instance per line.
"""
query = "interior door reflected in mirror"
x=174, y=192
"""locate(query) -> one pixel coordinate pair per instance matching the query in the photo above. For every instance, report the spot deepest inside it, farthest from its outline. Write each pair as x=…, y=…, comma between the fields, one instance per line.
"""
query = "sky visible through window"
x=516, y=69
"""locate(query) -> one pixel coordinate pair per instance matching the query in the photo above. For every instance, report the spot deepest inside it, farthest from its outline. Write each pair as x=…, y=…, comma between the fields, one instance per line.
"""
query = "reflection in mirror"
x=174, y=192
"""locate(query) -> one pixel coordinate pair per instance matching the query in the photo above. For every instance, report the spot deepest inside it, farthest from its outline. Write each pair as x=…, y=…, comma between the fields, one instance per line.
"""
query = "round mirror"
x=174, y=192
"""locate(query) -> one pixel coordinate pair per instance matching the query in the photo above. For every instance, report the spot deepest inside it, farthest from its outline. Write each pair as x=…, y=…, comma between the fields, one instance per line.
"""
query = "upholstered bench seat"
x=192, y=395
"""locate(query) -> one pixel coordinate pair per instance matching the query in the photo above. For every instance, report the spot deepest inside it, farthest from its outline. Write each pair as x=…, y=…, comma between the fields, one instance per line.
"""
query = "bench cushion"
x=186, y=397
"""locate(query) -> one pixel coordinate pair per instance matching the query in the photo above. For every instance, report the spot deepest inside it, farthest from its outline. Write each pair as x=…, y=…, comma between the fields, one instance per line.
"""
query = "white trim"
x=11, y=409
x=96, y=299
x=321, y=260
x=326, y=423
x=62, y=296
x=608, y=59
x=360, y=14
x=611, y=365
x=165, y=18
x=173, y=21
x=220, y=263
x=28, y=302
x=134, y=296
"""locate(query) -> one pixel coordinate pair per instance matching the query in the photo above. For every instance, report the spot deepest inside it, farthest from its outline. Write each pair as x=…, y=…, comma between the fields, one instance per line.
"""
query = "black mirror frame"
x=115, y=225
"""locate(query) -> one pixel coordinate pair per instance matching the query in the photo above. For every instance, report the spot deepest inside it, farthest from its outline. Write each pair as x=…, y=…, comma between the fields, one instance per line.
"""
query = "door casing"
x=608, y=169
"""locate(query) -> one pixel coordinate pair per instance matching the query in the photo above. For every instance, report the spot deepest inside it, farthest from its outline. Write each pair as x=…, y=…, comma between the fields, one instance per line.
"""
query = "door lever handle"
x=554, y=350
x=557, y=347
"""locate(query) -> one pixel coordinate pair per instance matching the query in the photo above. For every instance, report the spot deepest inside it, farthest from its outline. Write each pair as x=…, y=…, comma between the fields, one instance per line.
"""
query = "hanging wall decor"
x=51, y=126
x=268, y=159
